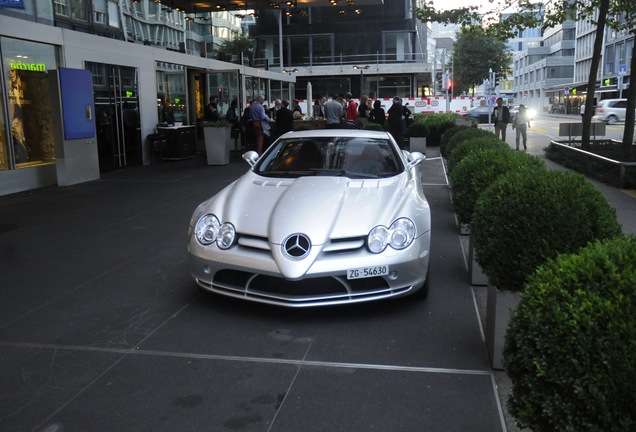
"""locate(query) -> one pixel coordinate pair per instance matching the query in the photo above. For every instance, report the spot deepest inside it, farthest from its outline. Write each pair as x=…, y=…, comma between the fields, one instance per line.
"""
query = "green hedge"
x=463, y=135
x=447, y=135
x=373, y=126
x=479, y=169
x=462, y=149
x=437, y=124
x=528, y=216
x=570, y=348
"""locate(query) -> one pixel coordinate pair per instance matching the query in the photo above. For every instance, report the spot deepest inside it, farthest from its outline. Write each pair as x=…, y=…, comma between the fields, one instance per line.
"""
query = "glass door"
x=116, y=116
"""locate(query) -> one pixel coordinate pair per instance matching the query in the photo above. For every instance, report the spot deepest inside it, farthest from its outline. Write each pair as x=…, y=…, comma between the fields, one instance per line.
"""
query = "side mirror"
x=251, y=157
x=414, y=159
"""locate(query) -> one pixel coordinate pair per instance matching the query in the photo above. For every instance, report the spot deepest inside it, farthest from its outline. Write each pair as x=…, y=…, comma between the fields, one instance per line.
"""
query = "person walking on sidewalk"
x=501, y=115
x=521, y=122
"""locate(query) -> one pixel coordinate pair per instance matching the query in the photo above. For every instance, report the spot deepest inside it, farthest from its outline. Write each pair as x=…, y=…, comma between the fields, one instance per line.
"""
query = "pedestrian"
x=318, y=108
x=211, y=112
x=334, y=112
x=582, y=111
x=377, y=114
x=521, y=122
x=296, y=110
x=245, y=123
x=274, y=110
x=284, y=119
x=260, y=123
x=395, y=121
x=363, y=112
x=351, y=111
x=232, y=116
x=501, y=115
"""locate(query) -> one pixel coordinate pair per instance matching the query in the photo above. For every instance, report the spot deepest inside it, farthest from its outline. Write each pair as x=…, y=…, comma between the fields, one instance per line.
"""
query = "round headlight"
x=377, y=239
x=207, y=228
x=402, y=233
x=226, y=236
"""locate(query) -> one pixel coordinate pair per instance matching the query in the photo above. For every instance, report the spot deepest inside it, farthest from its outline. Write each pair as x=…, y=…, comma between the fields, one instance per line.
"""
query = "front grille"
x=305, y=292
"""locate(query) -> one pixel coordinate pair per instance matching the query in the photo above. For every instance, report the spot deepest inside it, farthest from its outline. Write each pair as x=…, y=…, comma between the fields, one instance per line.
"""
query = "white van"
x=611, y=111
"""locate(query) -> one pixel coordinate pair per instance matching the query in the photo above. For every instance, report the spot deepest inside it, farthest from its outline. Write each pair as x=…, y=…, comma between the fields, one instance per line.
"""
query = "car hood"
x=320, y=207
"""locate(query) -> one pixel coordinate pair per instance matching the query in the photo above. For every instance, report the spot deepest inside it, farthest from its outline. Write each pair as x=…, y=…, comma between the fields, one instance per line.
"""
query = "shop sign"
x=12, y=3
x=20, y=65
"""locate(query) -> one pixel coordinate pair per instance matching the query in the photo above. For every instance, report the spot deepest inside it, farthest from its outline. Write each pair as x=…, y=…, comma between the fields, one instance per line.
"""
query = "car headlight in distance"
x=399, y=236
x=207, y=229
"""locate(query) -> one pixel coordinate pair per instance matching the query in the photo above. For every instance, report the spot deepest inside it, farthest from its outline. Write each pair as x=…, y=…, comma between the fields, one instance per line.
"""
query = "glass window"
x=25, y=68
x=171, y=93
x=113, y=15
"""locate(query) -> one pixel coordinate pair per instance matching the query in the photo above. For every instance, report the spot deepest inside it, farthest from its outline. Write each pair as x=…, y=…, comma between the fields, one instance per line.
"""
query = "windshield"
x=353, y=157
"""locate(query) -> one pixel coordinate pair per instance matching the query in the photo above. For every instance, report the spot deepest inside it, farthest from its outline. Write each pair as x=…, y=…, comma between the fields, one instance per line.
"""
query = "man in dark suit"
x=501, y=117
x=284, y=119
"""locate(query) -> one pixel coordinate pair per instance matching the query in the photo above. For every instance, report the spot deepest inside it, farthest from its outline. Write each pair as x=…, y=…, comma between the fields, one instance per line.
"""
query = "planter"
x=477, y=275
x=499, y=307
x=418, y=144
x=218, y=142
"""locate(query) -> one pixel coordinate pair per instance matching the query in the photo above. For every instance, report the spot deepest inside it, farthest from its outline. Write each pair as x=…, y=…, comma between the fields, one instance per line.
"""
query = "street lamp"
x=361, y=68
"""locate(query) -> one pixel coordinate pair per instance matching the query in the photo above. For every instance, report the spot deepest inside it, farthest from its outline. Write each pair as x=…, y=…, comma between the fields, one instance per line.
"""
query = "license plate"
x=366, y=272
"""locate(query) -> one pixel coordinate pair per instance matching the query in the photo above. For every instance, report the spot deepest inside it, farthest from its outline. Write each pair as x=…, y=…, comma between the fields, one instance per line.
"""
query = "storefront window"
x=171, y=93
x=25, y=69
x=225, y=86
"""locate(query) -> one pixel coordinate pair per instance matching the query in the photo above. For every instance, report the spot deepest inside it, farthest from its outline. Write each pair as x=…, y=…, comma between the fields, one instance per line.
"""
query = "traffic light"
x=450, y=84
x=497, y=79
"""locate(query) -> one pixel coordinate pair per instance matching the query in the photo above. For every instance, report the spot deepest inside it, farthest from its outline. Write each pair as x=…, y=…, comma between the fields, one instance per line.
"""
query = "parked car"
x=323, y=217
x=611, y=111
x=480, y=114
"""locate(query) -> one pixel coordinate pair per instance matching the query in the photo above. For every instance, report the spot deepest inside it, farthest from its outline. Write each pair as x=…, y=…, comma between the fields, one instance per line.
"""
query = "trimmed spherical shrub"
x=417, y=129
x=570, y=348
x=464, y=135
x=479, y=169
x=447, y=135
x=528, y=216
x=464, y=148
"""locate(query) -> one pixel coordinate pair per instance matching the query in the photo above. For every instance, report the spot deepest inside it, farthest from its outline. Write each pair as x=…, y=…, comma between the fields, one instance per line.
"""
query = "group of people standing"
x=253, y=126
x=345, y=112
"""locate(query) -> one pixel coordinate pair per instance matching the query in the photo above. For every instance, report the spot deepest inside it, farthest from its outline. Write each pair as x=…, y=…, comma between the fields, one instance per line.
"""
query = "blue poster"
x=12, y=3
x=76, y=86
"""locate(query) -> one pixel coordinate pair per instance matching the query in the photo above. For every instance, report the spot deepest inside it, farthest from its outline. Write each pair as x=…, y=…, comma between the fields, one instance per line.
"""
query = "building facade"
x=381, y=52
x=144, y=61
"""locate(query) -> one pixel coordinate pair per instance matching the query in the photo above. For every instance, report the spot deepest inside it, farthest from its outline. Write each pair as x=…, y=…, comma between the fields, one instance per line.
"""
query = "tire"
x=612, y=120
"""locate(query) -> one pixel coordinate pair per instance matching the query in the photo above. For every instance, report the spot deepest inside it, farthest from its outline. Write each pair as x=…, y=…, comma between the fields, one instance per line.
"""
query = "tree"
x=474, y=54
x=616, y=14
x=234, y=46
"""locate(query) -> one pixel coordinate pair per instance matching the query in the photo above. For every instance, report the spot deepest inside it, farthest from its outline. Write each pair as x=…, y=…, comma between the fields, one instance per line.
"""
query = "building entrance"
x=115, y=92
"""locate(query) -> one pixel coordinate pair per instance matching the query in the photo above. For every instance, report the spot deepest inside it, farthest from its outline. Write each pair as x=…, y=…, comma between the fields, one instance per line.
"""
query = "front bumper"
x=252, y=274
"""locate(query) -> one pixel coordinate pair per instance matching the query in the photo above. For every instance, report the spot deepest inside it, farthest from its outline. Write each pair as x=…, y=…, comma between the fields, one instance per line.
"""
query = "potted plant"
x=417, y=133
x=467, y=146
x=524, y=218
x=472, y=175
x=569, y=349
x=218, y=141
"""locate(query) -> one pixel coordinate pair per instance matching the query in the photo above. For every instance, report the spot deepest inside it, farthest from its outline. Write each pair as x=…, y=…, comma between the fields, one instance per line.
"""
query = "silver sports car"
x=323, y=217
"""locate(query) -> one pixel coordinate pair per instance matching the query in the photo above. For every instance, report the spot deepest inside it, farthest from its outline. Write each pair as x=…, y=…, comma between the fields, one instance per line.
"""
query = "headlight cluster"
x=399, y=235
x=209, y=230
